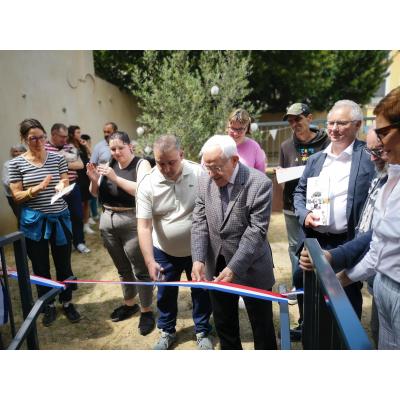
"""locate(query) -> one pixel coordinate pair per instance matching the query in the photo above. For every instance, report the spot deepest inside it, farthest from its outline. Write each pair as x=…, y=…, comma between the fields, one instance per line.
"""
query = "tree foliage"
x=173, y=93
x=318, y=78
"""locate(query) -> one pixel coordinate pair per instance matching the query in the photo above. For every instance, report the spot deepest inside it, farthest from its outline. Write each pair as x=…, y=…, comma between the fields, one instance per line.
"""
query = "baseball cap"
x=297, y=109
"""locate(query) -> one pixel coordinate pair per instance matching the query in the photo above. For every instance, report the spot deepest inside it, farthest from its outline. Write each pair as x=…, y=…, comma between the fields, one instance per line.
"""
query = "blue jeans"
x=167, y=297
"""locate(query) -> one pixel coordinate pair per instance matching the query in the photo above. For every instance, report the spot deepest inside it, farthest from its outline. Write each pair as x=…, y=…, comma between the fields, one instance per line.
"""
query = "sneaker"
x=50, y=314
x=292, y=299
x=91, y=221
x=204, y=341
x=82, y=248
x=241, y=303
x=124, y=312
x=71, y=313
x=296, y=333
x=87, y=229
x=165, y=341
x=146, y=323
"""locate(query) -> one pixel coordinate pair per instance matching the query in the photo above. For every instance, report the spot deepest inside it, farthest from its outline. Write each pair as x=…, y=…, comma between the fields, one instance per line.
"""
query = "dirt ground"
x=96, y=302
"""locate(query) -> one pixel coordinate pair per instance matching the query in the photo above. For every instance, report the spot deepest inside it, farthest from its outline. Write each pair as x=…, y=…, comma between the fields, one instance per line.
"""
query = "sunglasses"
x=382, y=132
x=374, y=152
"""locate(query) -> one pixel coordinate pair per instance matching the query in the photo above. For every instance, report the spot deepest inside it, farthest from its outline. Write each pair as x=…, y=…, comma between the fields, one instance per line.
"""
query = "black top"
x=294, y=153
x=111, y=194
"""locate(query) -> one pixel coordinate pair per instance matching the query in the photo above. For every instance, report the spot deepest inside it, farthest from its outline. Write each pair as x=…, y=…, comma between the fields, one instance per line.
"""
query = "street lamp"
x=214, y=91
x=254, y=127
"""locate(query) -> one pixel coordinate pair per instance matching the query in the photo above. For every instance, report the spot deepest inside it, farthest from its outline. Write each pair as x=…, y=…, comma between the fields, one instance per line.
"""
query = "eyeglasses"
x=382, y=132
x=32, y=139
x=215, y=168
x=237, y=130
x=340, y=124
x=374, y=152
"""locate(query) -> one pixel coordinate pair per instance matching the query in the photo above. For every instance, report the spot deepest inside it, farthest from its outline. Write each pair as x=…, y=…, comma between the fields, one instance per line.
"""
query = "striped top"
x=21, y=170
x=69, y=152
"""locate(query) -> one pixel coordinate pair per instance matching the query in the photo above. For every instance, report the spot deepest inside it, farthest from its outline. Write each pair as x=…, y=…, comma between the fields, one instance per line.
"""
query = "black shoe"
x=71, y=313
x=124, y=312
x=296, y=333
x=50, y=314
x=147, y=323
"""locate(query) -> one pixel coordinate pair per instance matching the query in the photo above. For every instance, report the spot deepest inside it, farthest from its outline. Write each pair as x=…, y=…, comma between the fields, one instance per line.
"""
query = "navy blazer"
x=361, y=174
x=349, y=254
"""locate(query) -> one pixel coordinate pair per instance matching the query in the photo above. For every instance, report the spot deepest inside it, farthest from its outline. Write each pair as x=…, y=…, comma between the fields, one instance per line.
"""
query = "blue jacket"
x=361, y=174
x=350, y=253
x=31, y=225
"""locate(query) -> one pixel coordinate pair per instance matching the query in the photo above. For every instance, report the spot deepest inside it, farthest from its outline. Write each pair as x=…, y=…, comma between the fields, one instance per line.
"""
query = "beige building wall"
x=56, y=86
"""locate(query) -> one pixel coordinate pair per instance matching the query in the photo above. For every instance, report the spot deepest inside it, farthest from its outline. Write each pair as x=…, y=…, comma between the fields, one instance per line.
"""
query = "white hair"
x=355, y=110
x=224, y=142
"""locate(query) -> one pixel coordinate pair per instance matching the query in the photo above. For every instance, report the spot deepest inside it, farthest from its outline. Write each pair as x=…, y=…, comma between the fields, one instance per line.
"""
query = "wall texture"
x=56, y=86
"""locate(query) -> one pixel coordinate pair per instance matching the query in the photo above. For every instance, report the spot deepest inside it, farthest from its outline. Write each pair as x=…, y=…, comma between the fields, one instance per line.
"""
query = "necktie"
x=224, y=198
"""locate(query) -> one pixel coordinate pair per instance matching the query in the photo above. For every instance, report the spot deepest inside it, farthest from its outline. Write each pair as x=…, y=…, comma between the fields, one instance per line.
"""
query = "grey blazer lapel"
x=237, y=188
x=319, y=163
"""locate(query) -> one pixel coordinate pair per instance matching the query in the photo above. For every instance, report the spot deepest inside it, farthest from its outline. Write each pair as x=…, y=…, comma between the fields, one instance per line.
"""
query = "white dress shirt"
x=337, y=168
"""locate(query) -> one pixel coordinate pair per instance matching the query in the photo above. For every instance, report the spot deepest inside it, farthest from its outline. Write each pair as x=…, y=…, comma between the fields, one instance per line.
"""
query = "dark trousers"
x=226, y=318
x=167, y=297
x=38, y=253
x=74, y=201
x=353, y=291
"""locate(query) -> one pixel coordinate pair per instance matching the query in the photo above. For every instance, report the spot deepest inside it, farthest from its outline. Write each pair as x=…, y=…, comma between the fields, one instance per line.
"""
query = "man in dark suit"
x=349, y=170
x=230, y=223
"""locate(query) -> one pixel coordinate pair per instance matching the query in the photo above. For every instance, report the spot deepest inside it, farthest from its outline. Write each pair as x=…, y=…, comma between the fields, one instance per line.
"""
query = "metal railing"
x=274, y=133
x=330, y=321
x=30, y=311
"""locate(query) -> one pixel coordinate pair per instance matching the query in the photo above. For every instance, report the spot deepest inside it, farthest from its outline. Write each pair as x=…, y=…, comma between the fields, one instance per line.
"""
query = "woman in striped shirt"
x=35, y=177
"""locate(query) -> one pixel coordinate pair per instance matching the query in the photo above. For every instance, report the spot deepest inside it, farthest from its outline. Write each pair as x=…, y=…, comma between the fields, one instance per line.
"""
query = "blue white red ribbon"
x=233, y=288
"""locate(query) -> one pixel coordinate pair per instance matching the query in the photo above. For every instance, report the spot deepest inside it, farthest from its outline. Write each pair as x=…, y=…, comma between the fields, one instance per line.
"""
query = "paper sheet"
x=63, y=192
x=289, y=174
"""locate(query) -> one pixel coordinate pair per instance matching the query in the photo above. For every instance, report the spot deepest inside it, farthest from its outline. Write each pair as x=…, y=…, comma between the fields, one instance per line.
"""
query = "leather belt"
x=118, y=209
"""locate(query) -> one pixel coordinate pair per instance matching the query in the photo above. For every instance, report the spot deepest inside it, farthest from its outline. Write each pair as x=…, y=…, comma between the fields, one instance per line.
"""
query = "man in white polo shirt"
x=165, y=202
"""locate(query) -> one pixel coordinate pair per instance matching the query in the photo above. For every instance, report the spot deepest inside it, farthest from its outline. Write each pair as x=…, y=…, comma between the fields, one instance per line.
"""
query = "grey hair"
x=355, y=109
x=166, y=143
x=17, y=147
x=224, y=142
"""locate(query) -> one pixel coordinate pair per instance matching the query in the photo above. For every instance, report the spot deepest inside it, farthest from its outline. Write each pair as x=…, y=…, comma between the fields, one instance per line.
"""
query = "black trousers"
x=226, y=318
x=38, y=253
x=353, y=291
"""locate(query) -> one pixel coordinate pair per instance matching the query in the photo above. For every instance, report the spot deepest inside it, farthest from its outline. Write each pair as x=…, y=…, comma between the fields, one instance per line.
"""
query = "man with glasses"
x=346, y=256
x=295, y=151
x=229, y=241
x=58, y=144
x=349, y=170
x=164, y=204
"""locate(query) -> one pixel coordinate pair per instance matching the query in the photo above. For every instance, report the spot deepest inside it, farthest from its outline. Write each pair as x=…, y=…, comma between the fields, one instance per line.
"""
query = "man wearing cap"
x=349, y=171
x=295, y=151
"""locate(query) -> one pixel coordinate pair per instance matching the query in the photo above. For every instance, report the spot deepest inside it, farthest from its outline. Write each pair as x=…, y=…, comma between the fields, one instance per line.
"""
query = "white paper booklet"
x=289, y=174
x=318, y=198
x=63, y=192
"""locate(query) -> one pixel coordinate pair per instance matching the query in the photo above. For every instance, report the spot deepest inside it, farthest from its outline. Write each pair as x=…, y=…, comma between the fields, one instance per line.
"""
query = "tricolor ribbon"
x=233, y=288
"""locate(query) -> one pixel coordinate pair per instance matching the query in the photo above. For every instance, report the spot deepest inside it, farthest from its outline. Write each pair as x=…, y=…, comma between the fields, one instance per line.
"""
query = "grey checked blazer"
x=241, y=235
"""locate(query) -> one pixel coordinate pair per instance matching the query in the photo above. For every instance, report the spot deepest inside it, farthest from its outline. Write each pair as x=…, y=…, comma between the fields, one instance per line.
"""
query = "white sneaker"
x=87, y=229
x=241, y=303
x=204, y=341
x=82, y=248
x=91, y=221
x=165, y=341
